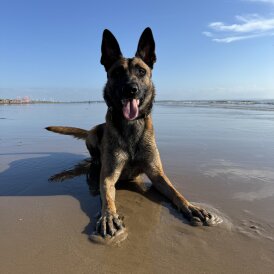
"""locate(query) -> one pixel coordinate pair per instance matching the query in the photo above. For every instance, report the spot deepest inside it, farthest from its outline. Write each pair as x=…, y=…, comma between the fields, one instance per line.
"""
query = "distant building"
x=26, y=100
x=18, y=100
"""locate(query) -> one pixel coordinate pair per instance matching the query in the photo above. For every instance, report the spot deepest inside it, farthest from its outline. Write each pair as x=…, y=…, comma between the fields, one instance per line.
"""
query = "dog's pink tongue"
x=130, y=109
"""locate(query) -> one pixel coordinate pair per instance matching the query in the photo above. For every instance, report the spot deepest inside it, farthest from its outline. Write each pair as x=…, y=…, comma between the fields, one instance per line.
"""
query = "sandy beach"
x=219, y=157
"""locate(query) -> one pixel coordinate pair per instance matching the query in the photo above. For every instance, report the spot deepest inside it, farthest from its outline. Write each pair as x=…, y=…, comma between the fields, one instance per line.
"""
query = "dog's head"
x=129, y=90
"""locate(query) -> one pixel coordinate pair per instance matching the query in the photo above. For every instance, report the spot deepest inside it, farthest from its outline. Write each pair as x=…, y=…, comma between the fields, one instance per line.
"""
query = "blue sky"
x=211, y=49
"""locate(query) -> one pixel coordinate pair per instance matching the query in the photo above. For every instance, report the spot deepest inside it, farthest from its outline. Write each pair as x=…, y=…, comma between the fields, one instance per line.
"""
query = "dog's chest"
x=133, y=148
x=132, y=140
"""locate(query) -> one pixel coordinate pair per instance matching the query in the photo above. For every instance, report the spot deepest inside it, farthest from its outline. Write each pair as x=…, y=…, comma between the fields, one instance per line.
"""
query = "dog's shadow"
x=46, y=174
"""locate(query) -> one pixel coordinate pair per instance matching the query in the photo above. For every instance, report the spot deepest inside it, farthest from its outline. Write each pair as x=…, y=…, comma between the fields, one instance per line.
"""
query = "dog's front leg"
x=196, y=215
x=109, y=222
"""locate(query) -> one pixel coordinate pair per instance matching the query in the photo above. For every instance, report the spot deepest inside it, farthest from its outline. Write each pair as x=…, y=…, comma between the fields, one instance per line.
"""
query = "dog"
x=124, y=147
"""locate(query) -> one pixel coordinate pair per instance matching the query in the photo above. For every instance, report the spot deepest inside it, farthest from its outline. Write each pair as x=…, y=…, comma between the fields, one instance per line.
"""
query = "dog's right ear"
x=110, y=50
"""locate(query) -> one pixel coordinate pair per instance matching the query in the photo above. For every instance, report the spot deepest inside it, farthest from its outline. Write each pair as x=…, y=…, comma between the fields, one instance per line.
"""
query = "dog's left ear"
x=146, y=48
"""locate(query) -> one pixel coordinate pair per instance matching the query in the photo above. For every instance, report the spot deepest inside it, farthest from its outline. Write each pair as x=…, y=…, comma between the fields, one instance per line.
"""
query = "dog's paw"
x=109, y=224
x=198, y=216
x=119, y=237
x=110, y=230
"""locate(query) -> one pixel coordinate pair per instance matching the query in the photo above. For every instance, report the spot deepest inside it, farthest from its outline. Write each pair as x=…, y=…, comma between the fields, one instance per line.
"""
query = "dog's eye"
x=141, y=72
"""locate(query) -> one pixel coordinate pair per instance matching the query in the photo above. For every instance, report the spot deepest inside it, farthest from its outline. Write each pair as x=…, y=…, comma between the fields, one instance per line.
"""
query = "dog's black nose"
x=134, y=89
x=131, y=89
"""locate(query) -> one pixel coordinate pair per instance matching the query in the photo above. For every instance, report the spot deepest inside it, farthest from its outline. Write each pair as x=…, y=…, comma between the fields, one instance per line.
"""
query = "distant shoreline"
x=175, y=102
x=258, y=105
x=21, y=102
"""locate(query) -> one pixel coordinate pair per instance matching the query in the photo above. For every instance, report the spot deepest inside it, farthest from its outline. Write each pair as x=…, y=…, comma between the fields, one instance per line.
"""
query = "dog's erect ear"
x=110, y=50
x=146, y=48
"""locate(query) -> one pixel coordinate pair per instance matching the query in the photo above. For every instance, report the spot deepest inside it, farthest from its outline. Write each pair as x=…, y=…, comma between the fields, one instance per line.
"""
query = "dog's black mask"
x=129, y=90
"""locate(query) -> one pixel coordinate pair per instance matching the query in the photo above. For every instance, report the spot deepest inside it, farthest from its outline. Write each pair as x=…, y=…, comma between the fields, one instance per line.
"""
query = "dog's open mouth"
x=130, y=108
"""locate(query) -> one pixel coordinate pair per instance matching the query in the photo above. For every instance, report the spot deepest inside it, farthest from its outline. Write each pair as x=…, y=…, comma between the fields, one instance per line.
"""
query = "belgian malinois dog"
x=124, y=147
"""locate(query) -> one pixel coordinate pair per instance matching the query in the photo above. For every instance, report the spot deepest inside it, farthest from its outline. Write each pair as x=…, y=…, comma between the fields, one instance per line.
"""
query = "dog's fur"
x=124, y=146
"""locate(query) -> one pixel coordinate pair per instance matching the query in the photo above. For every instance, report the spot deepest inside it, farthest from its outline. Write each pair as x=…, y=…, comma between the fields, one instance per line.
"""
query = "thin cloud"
x=207, y=34
x=238, y=38
x=247, y=27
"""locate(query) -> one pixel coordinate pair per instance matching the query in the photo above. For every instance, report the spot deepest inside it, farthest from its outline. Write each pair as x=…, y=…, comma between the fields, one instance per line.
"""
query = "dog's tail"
x=73, y=131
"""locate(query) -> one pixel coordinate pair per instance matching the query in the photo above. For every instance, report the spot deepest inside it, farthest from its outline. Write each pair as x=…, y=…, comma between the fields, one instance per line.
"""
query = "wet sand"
x=220, y=158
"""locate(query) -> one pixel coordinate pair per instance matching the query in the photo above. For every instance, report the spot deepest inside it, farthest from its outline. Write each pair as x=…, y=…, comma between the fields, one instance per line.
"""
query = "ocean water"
x=212, y=133
x=193, y=123
x=230, y=104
